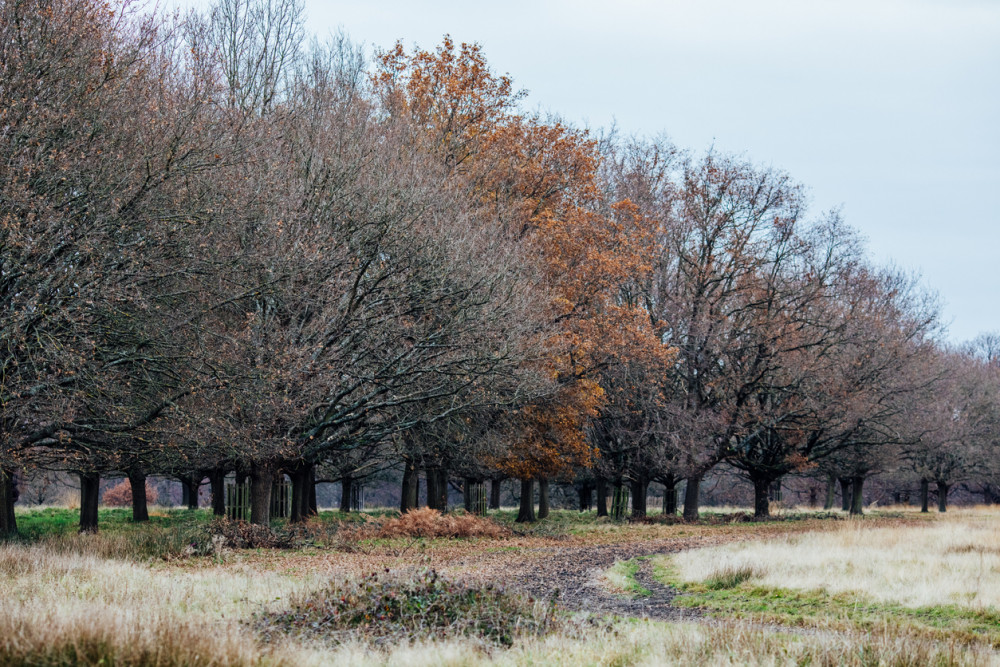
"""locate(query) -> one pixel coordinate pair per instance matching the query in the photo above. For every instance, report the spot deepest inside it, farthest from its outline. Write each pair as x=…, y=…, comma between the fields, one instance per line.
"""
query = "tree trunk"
x=845, y=494
x=989, y=495
x=195, y=487
x=437, y=488
x=297, y=478
x=831, y=492
x=90, y=488
x=408, y=490
x=857, y=495
x=217, y=480
x=618, y=501
x=189, y=490
x=137, y=480
x=300, y=477
x=543, y=498
x=8, y=496
x=442, y=487
x=639, y=490
x=261, y=484
x=670, y=497
x=602, y=497
x=942, y=490
x=313, y=503
x=924, y=494
x=526, y=513
x=430, y=480
x=467, y=494
x=495, y=493
x=346, y=488
x=586, y=493
x=761, y=504
x=691, y=498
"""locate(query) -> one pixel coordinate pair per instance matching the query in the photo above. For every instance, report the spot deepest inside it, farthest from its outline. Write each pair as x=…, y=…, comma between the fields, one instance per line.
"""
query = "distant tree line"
x=225, y=248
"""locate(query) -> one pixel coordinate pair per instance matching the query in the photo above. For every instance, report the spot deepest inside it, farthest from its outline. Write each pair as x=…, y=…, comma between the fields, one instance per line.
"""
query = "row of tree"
x=226, y=249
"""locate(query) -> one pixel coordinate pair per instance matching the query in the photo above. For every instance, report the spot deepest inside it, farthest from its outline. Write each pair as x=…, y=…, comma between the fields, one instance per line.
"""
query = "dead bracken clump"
x=426, y=522
x=120, y=495
x=387, y=608
x=345, y=535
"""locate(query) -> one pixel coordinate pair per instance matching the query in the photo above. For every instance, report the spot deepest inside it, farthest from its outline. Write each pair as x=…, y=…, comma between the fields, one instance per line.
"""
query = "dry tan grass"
x=650, y=643
x=60, y=606
x=953, y=560
x=55, y=603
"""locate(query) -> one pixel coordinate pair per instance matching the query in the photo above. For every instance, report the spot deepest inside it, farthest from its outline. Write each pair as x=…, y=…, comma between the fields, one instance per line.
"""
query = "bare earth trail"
x=572, y=573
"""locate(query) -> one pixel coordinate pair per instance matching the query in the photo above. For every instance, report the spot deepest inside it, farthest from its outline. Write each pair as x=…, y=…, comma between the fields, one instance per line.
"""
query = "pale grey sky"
x=889, y=109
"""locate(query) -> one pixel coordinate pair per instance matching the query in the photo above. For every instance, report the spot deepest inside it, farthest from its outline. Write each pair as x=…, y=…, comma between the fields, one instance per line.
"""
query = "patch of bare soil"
x=573, y=575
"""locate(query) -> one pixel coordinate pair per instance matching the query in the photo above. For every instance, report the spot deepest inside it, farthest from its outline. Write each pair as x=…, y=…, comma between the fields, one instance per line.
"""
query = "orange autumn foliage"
x=120, y=495
x=537, y=178
x=427, y=522
x=453, y=97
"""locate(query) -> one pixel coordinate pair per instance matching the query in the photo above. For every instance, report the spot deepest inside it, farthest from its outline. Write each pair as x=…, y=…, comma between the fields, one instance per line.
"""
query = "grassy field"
x=952, y=562
x=894, y=589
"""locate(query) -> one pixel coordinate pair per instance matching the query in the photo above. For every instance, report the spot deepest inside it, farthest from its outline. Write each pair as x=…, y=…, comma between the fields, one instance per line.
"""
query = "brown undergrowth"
x=396, y=607
x=417, y=523
x=427, y=522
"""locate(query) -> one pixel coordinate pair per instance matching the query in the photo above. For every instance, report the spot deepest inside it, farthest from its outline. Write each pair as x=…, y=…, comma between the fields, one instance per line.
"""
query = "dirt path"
x=573, y=575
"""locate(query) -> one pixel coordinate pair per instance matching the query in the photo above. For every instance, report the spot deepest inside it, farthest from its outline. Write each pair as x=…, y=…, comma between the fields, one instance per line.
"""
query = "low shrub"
x=243, y=535
x=385, y=608
x=545, y=529
x=120, y=495
x=426, y=522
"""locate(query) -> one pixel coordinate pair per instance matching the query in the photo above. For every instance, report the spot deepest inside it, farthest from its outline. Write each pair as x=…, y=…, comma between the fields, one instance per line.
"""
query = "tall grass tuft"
x=150, y=543
x=143, y=640
x=731, y=576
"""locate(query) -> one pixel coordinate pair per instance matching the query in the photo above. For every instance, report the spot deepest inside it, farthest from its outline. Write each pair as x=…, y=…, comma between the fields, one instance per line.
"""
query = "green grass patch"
x=179, y=533
x=168, y=534
x=734, y=595
x=35, y=524
x=622, y=577
x=336, y=516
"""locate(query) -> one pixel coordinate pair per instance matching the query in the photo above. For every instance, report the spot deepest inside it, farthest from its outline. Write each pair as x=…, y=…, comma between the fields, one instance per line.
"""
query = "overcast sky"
x=888, y=109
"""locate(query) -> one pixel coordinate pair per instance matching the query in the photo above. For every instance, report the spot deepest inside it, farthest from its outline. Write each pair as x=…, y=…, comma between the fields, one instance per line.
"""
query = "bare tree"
x=254, y=46
x=99, y=142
